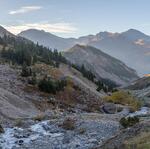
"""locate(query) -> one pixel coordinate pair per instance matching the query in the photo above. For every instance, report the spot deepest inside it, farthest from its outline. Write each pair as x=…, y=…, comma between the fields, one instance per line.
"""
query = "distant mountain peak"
x=34, y=31
x=106, y=34
x=133, y=30
x=47, y=39
x=134, y=35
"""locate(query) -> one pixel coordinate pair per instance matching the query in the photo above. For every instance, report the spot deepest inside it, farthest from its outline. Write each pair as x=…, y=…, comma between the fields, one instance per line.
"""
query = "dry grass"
x=82, y=130
x=42, y=69
x=18, y=123
x=39, y=117
x=124, y=98
x=68, y=124
x=139, y=142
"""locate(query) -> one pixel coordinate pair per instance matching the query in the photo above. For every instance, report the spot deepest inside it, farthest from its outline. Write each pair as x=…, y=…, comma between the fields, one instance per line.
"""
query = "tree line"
x=21, y=51
x=103, y=84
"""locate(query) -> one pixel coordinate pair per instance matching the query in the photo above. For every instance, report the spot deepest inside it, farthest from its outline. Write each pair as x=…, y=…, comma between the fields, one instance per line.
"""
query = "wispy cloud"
x=25, y=9
x=53, y=28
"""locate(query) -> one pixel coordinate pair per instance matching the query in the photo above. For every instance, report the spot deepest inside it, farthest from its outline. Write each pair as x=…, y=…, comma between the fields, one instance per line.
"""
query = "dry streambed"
x=89, y=130
x=87, y=133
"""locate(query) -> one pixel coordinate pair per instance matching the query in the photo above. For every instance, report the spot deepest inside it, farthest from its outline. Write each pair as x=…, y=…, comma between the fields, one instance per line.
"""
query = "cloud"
x=25, y=9
x=53, y=28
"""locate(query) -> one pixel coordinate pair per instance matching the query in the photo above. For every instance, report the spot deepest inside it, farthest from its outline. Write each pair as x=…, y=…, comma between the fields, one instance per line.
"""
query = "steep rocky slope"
x=101, y=64
x=141, y=89
x=14, y=102
x=18, y=99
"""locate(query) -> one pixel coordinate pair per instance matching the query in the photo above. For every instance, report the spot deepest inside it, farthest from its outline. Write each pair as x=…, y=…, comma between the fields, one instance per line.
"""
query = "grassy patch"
x=124, y=98
x=141, y=141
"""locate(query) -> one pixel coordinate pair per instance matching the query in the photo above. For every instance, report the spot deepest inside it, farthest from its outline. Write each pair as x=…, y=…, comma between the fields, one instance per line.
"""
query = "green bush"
x=50, y=86
x=129, y=121
x=33, y=79
x=26, y=71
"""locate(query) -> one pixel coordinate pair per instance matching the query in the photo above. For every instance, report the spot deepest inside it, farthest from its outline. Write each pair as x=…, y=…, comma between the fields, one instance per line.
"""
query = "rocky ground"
x=89, y=131
x=66, y=130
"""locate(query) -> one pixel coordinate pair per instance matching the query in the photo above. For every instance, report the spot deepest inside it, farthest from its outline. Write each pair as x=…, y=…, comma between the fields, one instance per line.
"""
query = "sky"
x=74, y=18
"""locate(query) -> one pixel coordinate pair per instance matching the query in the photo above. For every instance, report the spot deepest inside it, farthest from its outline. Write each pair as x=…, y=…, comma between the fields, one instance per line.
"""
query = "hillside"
x=48, y=103
x=3, y=32
x=124, y=46
x=101, y=64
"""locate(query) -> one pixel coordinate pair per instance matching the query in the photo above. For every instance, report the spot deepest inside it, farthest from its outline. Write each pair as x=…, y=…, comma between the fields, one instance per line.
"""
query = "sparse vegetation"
x=18, y=123
x=103, y=84
x=39, y=117
x=26, y=71
x=86, y=73
x=69, y=124
x=1, y=129
x=142, y=141
x=82, y=130
x=33, y=79
x=124, y=98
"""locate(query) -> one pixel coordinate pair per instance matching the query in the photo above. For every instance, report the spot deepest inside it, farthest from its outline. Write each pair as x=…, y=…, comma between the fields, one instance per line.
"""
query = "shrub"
x=129, y=121
x=39, y=117
x=124, y=98
x=82, y=130
x=26, y=71
x=68, y=124
x=19, y=123
x=33, y=79
x=47, y=86
x=1, y=129
x=50, y=86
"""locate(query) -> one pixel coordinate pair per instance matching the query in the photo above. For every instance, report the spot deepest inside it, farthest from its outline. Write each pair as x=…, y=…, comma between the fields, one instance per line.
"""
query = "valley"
x=35, y=127
x=82, y=98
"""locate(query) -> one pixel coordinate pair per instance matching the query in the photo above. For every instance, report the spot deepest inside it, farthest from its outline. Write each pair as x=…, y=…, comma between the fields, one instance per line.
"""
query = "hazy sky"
x=73, y=18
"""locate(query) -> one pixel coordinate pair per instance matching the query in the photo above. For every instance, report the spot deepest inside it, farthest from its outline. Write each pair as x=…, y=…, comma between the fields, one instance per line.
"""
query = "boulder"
x=109, y=108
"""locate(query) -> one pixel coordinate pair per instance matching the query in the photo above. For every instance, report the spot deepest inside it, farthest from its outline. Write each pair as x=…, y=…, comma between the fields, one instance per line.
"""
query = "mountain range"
x=132, y=46
x=99, y=63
